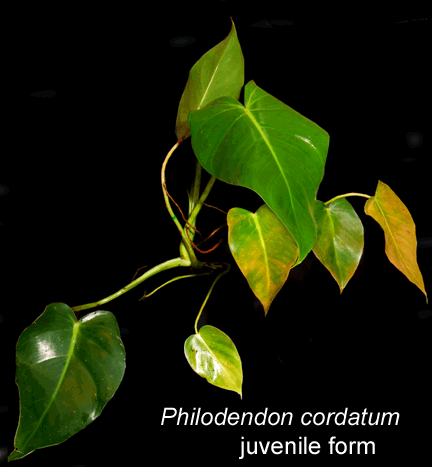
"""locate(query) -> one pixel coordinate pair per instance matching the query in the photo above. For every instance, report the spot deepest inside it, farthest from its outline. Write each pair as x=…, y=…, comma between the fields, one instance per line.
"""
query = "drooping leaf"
x=263, y=249
x=269, y=148
x=219, y=72
x=67, y=370
x=213, y=355
x=340, y=239
x=399, y=232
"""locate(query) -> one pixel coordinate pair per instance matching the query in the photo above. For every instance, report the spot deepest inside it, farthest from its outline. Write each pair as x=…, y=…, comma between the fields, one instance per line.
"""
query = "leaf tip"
x=342, y=284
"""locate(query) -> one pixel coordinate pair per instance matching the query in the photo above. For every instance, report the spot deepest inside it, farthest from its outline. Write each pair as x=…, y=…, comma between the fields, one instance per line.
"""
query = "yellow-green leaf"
x=213, y=355
x=218, y=73
x=340, y=239
x=263, y=249
x=399, y=231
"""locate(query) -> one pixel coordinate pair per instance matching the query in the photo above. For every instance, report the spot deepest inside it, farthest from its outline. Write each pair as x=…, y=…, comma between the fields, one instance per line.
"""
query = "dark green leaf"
x=67, y=370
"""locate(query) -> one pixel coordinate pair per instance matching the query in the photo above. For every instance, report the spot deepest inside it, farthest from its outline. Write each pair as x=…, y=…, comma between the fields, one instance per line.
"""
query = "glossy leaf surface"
x=340, y=239
x=213, y=355
x=399, y=231
x=67, y=370
x=219, y=72
x=263, y=249
x=269, y=148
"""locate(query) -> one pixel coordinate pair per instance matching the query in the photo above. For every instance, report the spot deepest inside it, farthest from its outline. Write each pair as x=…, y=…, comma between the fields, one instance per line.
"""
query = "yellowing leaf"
x=399, y=230
x=263, y=249
x=339, y=244
x=213, y=355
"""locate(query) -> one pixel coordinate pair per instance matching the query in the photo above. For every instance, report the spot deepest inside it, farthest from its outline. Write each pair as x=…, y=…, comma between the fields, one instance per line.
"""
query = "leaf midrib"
x=261, y=237
x=264, y=137
x=391, y=235
x=54, y=395
x=334, y=245
x=213, y=75
x=205, y=343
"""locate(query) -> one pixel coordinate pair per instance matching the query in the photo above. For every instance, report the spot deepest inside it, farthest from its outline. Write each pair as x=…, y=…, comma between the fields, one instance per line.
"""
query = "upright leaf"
x=268, y=147
x=67, y=370
x=340, y=239
x=263, y=249
x=219, y=72
x=213, y=355
x=399, y=231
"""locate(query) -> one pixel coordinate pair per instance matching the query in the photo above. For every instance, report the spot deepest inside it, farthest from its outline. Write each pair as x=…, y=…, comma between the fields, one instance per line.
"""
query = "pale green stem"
x=196, y=185
x=208, y=295
x=188, y=246
x=199, y=205
x=171, y=263
x=347, y=194
x=176, y=279
x=194, y=199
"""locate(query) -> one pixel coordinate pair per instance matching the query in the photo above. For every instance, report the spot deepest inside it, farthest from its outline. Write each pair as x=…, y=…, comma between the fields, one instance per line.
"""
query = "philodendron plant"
x=68, y=369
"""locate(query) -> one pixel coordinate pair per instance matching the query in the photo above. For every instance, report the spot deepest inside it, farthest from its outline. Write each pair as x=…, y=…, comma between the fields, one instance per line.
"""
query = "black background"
x=84, y=210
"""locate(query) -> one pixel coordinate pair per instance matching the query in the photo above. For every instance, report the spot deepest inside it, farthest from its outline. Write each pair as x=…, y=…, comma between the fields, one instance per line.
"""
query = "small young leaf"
x=263, y=249
x=191, y=203
x=340, y=239
x=399, y=231
x=219, y=72
x=213, y=355
x=67, y=371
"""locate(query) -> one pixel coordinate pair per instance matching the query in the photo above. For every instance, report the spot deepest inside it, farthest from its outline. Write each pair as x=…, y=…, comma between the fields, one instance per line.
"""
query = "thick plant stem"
x=194, y=199
x=189, y=250
x=197, y=203
x=171, y=263
x=208, y=295
x=196, y=185
x=347, y=194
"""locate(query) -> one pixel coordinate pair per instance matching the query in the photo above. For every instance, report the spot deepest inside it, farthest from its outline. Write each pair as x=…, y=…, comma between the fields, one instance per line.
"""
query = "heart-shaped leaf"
x=67, y=370
x=399, y=231
x=340, y=239
x=219, y=72
x=263, y=249
x=269, y=148
x=213, y=355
